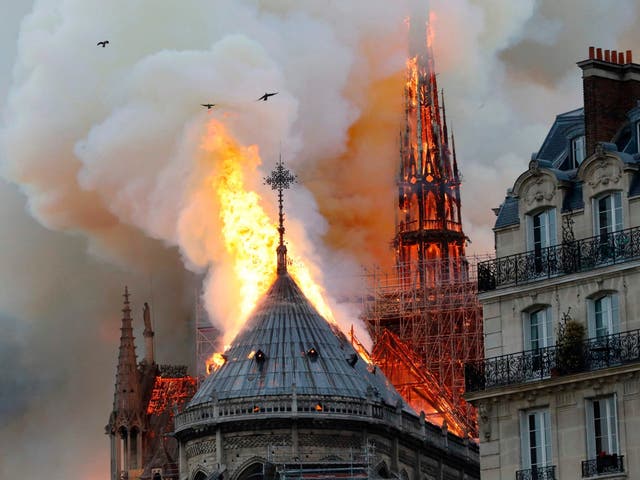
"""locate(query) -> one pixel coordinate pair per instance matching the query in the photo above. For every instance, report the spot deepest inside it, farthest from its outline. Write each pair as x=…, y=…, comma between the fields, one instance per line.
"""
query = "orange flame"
x=249, y=235
x=215, y=362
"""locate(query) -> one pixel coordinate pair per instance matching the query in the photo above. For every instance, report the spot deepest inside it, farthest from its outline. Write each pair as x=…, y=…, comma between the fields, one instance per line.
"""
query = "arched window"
x=255, y=471
x=541, y=234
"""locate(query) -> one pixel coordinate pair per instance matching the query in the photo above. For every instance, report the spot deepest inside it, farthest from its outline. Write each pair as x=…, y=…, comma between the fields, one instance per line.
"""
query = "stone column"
x=295, y=447
x=118, y=441
x=219, y=448
x=114, y=456
x=182, y=462
x=125, y=465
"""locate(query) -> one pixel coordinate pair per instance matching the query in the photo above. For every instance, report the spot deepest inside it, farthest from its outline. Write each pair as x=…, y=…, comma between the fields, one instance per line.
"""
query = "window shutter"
x=546, y=428
x=615, y=314
x=550, y=337
x=529, y=236
x=613, y=406
x=553, y=239
x=524, y=441
x=591, y=434
x=591, y=317
x=616, y=206
x=526, y=331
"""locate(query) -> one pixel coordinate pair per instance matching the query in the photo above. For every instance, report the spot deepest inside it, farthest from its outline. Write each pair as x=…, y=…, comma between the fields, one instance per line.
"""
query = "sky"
x=103, y=182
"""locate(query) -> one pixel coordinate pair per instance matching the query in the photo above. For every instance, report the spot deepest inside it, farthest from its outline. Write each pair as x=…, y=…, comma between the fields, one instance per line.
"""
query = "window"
x=578, y=150
x=608, y=214
x=603, y=316
x=542, y=229
x=538, y=330
x=602, y=426
x=541, y=233
x=535, y=439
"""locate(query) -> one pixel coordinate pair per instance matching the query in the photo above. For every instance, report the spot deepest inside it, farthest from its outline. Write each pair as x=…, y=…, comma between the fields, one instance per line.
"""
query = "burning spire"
x=430, y=227
x=281, y=179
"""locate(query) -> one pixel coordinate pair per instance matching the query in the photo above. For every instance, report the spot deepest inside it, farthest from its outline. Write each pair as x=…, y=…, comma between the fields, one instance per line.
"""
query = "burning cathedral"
x=293, y=397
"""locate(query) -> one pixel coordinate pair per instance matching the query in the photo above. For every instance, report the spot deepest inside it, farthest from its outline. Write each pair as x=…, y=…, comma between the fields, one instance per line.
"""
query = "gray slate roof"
x=508, y=213
x=285, y=326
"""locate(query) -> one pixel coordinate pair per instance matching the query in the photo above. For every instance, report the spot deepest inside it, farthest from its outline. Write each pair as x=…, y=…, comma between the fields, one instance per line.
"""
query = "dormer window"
x=578, y=150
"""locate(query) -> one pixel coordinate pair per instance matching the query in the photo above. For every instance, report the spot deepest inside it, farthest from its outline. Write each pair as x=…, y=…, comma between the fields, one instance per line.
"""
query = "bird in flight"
x=266, y=96
x=208, y=105
x=103, y=44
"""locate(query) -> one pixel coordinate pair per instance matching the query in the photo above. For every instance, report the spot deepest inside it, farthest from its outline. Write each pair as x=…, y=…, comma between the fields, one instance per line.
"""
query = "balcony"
x=603, y=465
x=531, y=365
x=537, y=473
x=570, y=257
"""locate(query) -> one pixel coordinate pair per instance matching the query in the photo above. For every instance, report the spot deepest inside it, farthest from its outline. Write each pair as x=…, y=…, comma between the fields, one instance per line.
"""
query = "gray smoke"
x=100, y=146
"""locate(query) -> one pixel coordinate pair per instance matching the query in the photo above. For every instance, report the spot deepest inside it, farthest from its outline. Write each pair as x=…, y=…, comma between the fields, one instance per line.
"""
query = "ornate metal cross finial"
x=280, y=179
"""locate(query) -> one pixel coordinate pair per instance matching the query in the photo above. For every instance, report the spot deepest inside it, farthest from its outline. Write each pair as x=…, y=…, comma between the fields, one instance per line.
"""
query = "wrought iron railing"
x=537, y=473
x=530, y=365
x=603, y=465
x=568, y=257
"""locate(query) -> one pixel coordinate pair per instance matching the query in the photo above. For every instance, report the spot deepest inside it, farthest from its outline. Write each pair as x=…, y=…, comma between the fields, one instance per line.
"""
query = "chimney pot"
x=592, y=51
x=607, y=56
x=599, y=54
x=629, y=57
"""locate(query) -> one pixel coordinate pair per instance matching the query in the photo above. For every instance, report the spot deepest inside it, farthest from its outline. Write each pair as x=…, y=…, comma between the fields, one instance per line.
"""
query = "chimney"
x=611, y=87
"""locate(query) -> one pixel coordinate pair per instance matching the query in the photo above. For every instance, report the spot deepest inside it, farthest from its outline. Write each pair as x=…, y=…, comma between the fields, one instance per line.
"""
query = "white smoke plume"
x=103, y=143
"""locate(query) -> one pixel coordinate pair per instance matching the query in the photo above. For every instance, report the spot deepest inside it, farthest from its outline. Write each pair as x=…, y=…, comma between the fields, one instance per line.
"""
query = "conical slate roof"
x=287, y=342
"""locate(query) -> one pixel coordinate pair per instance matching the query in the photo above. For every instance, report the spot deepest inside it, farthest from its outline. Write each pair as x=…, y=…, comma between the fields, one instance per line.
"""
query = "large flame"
x=250, y=236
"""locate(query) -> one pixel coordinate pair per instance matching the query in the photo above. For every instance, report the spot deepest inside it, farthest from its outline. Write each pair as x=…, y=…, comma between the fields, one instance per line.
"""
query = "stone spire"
x=281, y=179
x=126, y=397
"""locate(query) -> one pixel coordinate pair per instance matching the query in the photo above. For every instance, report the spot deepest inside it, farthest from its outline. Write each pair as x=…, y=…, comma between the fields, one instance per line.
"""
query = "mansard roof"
x=555, y=148
x=554, y=155
x=287, y=346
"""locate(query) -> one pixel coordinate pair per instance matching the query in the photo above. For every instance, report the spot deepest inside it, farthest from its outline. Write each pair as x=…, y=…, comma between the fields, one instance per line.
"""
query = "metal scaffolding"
x=206, y=339
x=437, y=327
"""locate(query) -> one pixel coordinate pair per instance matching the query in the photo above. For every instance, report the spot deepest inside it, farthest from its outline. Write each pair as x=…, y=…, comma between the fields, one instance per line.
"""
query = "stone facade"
x=566, y=259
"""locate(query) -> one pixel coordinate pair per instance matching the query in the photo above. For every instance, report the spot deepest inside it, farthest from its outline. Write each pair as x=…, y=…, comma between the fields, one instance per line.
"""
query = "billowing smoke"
x=104, y=145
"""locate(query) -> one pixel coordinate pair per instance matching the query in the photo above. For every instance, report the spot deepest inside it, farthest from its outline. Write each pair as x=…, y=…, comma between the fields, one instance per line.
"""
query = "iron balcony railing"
x=568, y=257
x=537, y=473
x=603, y=465
x=530, y=365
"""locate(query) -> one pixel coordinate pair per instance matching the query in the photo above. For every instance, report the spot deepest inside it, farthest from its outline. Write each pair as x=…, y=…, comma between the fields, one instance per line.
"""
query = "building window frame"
x=535, y=438
x=537, y=328
x=607, y=213
x=602, y=433
x=603, y=314
x=578, y=150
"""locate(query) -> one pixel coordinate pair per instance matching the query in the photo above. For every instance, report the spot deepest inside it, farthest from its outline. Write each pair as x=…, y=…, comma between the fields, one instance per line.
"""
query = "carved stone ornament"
x=605, y=172
x=539, y=189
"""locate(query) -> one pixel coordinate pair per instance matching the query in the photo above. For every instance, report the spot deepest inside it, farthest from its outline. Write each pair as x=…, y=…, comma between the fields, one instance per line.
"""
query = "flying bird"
x=208, y=105
x=266, y=96
x=103, y=44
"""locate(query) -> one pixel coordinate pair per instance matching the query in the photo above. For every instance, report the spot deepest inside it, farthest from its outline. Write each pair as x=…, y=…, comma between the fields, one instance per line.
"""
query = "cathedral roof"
x=288, y=346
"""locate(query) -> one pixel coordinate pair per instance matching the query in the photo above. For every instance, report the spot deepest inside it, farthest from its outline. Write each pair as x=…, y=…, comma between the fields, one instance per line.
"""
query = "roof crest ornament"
x=281, y=179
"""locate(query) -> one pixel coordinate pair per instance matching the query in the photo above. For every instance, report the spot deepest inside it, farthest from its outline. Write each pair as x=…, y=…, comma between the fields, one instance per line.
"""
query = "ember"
x=169, y=393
